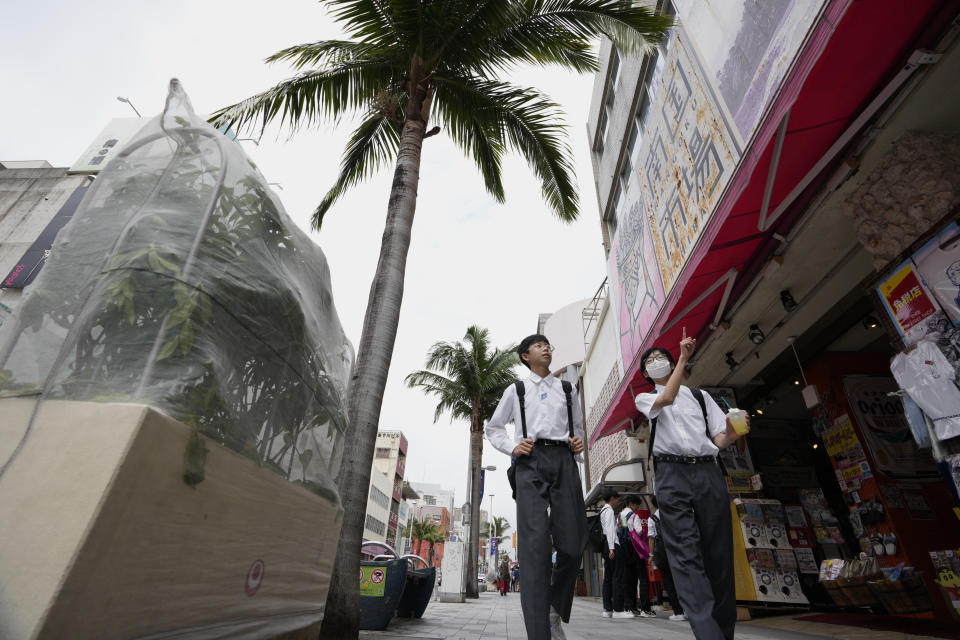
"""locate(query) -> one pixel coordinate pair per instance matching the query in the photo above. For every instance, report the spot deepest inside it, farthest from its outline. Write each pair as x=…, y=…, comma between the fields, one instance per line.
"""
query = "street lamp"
x=127, y=100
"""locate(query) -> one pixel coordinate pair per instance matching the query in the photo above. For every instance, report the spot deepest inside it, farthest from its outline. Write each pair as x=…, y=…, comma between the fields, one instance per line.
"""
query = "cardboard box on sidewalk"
x=100, y=536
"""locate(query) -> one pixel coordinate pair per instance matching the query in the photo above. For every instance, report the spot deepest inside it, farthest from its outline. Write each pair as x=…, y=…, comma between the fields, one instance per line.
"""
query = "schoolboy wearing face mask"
x=695, y=521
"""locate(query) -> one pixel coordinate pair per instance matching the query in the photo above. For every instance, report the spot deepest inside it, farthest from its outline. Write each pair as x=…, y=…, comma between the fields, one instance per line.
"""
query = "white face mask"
x=659, y=369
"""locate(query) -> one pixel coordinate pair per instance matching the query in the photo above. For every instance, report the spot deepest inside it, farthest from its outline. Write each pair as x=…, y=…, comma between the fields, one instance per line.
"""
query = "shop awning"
x=857, y=57
x=627, y=476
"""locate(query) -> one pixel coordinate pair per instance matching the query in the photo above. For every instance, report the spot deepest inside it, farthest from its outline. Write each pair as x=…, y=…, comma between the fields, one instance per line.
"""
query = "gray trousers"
x=697, y=532
x=548, y=477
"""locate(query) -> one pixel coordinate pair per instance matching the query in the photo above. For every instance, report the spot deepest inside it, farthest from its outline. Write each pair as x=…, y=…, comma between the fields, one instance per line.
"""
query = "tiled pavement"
x=493, y=617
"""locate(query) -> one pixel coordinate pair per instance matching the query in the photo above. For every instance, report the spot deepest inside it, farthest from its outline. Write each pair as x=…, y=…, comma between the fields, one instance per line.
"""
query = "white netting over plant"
x=181, y=283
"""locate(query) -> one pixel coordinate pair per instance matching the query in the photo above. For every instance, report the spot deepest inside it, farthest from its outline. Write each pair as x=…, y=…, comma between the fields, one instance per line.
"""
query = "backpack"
x=698, y=394
x=598, y=542
x=630, y=539
x=521, y=392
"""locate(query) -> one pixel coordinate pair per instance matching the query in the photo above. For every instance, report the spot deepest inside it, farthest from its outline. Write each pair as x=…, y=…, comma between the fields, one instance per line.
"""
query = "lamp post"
x=127, y=100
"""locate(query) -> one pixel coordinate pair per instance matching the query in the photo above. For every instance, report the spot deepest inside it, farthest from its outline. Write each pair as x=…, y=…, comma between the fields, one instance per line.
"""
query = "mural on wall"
x=693, y=134
x=635, y=280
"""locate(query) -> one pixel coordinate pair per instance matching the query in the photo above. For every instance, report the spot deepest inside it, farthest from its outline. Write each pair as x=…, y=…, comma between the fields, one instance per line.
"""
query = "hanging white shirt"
x=927, y=375
x=545, y=406
x=680, y=428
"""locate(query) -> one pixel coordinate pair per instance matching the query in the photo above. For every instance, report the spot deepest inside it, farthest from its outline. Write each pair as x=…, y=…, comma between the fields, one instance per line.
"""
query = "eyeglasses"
x=543, y=346
x=653, y=359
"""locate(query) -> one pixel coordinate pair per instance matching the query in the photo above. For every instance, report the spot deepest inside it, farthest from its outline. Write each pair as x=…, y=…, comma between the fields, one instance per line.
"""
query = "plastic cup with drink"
x=737, y=418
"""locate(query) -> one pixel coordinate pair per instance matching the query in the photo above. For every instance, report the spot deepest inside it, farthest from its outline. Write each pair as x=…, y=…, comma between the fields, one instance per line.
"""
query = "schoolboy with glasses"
x=550, y=510
x=695, y=522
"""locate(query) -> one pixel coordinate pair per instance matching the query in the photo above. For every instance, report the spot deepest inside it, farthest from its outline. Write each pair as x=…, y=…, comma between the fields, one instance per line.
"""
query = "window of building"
x=383, y=452
x=379, y=497
x=375, y=525
x=603, y=122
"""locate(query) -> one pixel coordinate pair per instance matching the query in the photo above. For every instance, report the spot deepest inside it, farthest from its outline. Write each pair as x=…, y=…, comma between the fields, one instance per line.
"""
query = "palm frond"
x=634, y=28
x=529, y=122
x=373, y=144
x=483, y=144
x=311, y=96
x=370, y=20
x=327, y=52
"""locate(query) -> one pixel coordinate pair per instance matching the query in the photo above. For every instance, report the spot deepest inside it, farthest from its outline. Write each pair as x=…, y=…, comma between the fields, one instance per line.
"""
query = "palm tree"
x=422, y=531
x=500, y=526
x=468, y=379
x=435, y=538
x=410, y=61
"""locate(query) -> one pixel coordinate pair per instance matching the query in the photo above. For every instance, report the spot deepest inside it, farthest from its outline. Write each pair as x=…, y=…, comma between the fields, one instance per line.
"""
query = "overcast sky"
x=471, y=261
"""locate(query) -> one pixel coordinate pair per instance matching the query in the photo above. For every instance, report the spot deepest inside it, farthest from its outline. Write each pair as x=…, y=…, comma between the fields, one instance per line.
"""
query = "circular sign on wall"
x=254, y=578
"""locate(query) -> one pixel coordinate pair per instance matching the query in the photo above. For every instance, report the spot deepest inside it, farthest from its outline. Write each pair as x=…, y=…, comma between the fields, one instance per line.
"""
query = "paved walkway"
x=493, y=617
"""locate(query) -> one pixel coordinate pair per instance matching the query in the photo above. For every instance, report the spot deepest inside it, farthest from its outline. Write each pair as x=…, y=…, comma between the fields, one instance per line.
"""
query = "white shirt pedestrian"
x=680, y=428
x=545, y=406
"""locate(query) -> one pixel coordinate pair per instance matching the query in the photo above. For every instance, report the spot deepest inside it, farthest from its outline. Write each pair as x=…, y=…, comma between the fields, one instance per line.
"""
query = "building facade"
x=36, y=200
x=379, y=502
x=390, y=459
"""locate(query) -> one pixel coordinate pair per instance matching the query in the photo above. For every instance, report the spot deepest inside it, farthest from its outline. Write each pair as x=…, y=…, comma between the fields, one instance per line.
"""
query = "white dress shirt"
x=927, y=375
x=545, y=406
x=652, y=524
x=680, y=428
x=608, y=522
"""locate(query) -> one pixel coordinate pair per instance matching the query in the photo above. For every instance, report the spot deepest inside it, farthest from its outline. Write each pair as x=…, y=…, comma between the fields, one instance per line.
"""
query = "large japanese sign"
x=712, y=81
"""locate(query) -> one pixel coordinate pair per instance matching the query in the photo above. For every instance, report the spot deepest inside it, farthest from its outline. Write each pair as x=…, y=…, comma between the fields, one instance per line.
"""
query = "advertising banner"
x=885, y=428
x=908, y=302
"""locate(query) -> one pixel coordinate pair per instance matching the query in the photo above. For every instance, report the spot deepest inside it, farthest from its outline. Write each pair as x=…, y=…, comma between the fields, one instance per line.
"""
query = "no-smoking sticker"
x=377, y=576
x=254, y=578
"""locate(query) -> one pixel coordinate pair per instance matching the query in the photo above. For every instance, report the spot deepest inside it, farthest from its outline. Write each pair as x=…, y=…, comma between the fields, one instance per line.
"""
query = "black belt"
x=552, y=443
x=685, y=459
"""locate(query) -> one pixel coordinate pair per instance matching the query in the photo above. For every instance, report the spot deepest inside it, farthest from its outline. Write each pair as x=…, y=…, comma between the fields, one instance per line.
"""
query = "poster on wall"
x=885, y=429
x=846, y=453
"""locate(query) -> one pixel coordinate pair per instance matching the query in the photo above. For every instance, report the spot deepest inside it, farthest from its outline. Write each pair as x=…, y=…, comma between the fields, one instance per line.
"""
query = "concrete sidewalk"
x=495, y=617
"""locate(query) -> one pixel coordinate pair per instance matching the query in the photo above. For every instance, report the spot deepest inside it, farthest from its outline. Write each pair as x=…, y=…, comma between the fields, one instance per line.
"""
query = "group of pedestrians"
x=631, y=538
x=690, y=533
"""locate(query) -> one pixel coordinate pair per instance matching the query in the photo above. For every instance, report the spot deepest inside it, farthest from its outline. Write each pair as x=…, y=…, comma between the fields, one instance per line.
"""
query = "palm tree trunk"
x=476, y=461
x=341, y=619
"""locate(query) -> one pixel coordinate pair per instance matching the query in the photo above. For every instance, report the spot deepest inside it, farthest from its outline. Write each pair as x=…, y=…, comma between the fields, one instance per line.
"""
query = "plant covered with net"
x=181, y=283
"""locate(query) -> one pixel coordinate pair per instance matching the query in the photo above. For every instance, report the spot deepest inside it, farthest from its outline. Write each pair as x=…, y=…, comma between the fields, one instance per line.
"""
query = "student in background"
x=659, y=561
x=613, y=562
x=634, y=561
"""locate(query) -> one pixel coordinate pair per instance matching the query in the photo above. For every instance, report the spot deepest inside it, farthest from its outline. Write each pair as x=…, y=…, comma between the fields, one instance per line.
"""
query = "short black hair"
x=653, y=499
x=632, y=498
x=646, y=354
x=609, y=492
x=526, y=343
